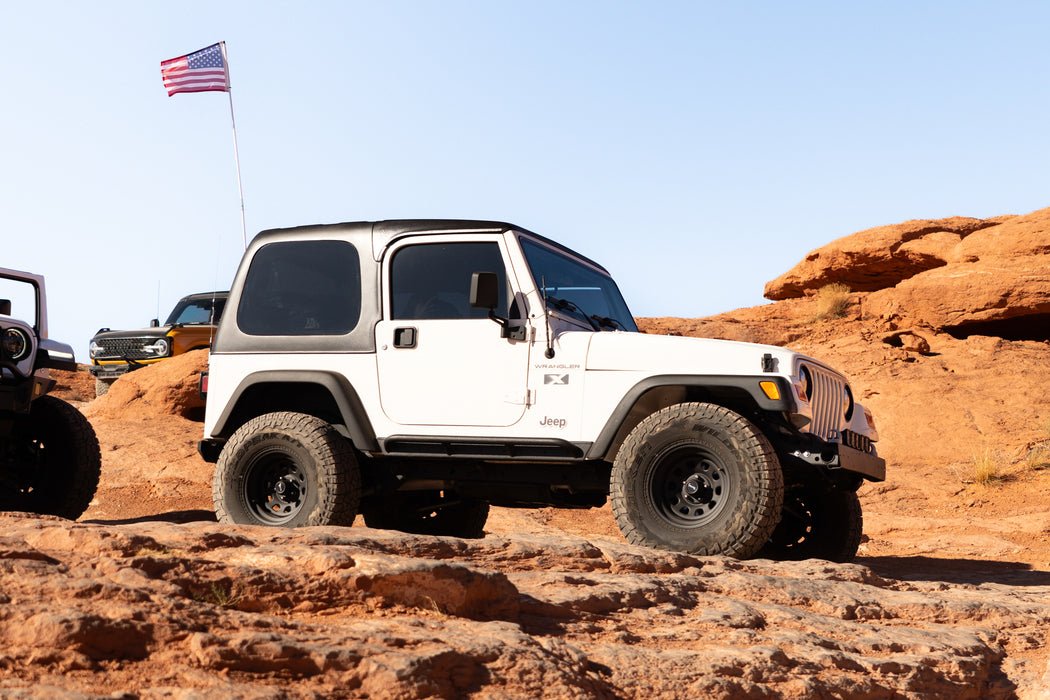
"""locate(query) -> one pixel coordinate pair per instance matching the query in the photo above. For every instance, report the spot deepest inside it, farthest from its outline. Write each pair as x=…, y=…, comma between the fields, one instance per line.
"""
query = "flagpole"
x=237, y=159
x=236, y=155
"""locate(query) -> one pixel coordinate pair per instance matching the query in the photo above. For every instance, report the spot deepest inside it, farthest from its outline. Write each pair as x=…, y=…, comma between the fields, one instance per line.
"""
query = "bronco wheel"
x=102, y=386
x=698, y=478
x=428, y=513
x=289, y=470
x=55, y=462
x=817, y=524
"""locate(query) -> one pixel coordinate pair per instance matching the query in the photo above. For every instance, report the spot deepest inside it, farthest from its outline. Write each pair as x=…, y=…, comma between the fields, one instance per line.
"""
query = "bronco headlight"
x=158, y=349
x=15, y=344
x=95, y=350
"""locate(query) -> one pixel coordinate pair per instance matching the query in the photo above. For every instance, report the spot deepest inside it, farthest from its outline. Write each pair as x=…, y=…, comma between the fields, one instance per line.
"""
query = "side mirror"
x=154, y=323
x=484, y=290
x=484, y=294
x=5, y=307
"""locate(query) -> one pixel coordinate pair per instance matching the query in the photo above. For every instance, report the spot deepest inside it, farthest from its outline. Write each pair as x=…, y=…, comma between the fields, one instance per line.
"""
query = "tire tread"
x=764, y=504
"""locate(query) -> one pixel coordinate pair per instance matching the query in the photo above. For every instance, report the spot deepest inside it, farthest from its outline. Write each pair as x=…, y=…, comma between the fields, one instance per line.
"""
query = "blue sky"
x=697, y=149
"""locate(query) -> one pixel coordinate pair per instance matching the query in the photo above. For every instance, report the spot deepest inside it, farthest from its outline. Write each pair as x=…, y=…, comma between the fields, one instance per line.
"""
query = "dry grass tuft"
x=220, y=596
x=1037, y=458
x=832, y=301
x=986, y=468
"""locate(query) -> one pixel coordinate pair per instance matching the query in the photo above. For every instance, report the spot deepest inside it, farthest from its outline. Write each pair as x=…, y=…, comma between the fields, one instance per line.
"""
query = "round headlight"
x=94, y=349
x=807, y=382
x=848, y=400
x=159, y=348
x=15, y=344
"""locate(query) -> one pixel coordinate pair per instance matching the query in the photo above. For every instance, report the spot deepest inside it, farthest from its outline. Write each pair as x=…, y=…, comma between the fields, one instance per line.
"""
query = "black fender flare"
x=352, y=410
x=746, y=383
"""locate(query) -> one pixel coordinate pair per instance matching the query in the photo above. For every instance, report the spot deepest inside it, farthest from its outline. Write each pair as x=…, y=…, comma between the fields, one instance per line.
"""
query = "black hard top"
x=383, y=233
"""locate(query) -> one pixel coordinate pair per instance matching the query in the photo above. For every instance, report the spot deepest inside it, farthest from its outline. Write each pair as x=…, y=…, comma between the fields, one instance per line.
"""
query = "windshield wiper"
x=606, y=322
x=566, y=305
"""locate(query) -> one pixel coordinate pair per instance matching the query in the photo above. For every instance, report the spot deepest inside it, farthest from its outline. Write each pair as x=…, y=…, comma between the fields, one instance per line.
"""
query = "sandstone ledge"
x=203, y=610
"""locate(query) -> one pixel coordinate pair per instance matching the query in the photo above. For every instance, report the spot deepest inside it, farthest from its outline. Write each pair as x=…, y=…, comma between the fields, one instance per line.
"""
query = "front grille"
x=125, y=349
x=828, y=402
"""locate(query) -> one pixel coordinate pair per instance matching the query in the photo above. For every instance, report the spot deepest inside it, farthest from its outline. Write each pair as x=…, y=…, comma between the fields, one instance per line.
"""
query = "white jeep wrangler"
x=418, y=371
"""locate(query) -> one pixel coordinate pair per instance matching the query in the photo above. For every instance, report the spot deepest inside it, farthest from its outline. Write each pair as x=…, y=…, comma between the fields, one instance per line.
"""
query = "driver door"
x=442, y=362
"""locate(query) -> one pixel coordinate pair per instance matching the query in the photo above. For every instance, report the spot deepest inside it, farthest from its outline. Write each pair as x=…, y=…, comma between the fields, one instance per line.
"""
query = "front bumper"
x=837, y=457
x=112, y=371
x=870, y=466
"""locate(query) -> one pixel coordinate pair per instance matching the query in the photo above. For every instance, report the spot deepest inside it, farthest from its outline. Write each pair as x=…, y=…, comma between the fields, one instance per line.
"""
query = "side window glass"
x=302, y=288
x=432, y=280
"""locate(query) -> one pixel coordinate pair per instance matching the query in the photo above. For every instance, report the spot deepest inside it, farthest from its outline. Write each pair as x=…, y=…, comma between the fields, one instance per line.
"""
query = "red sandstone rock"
x=971, y=295
x=877, y=258
x=247, y=611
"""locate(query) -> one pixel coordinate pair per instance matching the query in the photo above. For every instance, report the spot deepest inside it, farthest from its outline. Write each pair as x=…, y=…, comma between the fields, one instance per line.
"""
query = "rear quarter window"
x=302, y=288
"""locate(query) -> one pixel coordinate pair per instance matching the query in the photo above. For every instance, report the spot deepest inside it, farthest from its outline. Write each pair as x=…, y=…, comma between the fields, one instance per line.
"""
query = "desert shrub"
x=832, y=301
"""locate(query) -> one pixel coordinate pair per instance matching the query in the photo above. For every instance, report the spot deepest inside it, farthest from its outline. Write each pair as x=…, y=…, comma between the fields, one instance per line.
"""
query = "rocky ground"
x=146, y=596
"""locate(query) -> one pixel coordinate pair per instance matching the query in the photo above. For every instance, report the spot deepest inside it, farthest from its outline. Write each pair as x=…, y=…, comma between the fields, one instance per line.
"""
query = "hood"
x=668, y=354
x=154, y=332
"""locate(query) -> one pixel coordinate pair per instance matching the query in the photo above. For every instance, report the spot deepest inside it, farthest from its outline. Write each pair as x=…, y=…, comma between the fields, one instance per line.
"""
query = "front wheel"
x=54, y=463
x=697, y=478
x=817, y=524
x=288, y=470
x=102, y=386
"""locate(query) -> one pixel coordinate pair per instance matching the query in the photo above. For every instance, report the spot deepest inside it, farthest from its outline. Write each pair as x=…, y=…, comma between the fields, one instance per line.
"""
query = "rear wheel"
x=428, y=513
x=288, y=470
x=54, y=463
x=698, y=478
x=817, y=524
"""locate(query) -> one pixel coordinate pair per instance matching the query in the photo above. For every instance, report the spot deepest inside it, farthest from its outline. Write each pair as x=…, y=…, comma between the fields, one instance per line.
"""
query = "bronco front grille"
x=125, y=349
x=827, y=401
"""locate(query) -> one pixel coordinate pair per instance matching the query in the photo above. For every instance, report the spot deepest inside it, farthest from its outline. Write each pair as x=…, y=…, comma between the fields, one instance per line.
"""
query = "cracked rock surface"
x=159, y=610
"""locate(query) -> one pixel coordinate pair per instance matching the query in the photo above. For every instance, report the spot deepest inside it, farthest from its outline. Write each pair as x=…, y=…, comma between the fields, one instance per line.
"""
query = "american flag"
x=201, y=71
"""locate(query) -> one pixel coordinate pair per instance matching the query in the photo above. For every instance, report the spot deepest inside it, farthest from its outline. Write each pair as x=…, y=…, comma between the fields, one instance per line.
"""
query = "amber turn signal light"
x=771, y=390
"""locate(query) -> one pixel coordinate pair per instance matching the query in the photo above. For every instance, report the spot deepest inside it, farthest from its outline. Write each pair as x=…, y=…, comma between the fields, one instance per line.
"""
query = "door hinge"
x=527, y=399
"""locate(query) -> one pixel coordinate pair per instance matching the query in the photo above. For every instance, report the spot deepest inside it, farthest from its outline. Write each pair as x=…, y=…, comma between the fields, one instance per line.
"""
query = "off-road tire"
x=697, y=478
x=102, y=386
x=817, y=524
x=287, y=470
x=428, y=513
x=58, y=462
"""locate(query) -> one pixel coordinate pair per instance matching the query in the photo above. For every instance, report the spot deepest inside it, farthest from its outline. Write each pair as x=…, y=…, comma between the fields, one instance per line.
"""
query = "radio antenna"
x=549, y=352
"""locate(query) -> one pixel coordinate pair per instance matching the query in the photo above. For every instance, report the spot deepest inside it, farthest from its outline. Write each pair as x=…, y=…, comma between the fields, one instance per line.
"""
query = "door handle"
x=405, y=337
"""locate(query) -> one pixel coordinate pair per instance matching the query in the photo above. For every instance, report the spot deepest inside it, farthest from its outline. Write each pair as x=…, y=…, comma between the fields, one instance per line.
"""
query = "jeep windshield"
x=577, y=289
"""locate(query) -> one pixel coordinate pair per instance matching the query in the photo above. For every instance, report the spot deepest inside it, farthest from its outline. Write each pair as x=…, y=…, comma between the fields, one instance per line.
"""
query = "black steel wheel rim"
x=275, y=487
x=796, y=522
x=690, y=487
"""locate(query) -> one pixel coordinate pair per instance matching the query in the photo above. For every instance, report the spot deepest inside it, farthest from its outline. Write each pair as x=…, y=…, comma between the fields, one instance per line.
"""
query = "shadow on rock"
x=178, y=517
x=964, y=571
